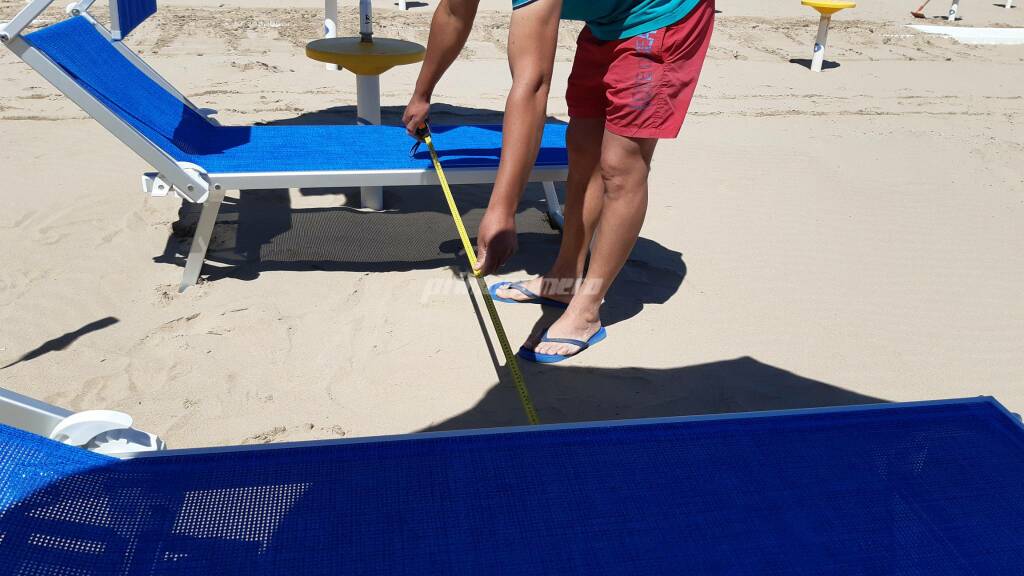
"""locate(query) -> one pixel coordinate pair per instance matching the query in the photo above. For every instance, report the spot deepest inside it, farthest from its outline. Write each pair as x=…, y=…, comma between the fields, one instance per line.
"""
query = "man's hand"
x=496, y=241
x=449, y=29
x=416, y=114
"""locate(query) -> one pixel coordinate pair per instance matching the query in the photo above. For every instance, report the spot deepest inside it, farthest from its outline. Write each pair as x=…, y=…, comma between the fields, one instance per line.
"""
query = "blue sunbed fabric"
x=930, y=489
x=89, y=58
x=131, y=13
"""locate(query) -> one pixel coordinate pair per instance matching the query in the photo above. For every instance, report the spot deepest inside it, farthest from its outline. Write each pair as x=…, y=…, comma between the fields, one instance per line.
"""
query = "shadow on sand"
x=806, y=63
x=62, y=342
x=581, y=394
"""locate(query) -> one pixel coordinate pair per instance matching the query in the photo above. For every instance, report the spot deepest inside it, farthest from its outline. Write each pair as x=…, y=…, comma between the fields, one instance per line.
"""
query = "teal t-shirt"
x=616, y=19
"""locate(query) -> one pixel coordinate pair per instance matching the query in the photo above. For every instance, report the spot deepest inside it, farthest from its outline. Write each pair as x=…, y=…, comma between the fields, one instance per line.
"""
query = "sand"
x=813, y=239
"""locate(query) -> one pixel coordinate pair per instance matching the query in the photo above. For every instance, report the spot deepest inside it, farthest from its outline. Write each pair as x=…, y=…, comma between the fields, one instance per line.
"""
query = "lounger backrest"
x=126, y=15
x=97, y=66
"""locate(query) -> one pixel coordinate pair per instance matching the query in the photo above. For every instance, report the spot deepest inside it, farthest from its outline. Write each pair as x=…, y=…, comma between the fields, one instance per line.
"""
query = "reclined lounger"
x=200, y=160
x=927, y=489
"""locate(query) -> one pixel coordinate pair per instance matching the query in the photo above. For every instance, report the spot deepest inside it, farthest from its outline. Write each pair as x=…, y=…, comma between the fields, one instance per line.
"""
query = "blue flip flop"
x=533, y=298
x=532, y=356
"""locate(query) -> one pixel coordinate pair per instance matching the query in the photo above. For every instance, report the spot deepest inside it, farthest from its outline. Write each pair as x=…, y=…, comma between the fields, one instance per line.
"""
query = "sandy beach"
x=846, y=237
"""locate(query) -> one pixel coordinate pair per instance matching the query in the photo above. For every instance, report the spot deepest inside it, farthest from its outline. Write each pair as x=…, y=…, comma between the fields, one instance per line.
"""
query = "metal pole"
x=1009, y=4
x=819, y=43
x=366, y=20
x=953, y=10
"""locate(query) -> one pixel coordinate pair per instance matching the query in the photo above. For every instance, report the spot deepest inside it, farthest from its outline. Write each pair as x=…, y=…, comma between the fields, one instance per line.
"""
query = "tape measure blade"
x=511, y=361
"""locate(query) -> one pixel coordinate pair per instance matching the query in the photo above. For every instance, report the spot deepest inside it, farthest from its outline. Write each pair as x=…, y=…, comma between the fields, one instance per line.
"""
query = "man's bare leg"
x=624, y=167
x=583, y=202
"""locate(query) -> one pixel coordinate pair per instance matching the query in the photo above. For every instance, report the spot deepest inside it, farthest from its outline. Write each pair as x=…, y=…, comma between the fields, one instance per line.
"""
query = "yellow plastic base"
x=828, y=7
x=365, y=58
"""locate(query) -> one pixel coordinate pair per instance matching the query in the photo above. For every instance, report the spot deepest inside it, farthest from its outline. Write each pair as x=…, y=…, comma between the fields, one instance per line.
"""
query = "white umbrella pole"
x=331, y=24
x=368, y=102
x=1009, y=4
x=820, y=42
x=953, y=10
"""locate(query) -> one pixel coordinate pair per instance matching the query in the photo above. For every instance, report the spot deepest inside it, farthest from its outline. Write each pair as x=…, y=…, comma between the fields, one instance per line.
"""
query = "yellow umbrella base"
x=365, y=58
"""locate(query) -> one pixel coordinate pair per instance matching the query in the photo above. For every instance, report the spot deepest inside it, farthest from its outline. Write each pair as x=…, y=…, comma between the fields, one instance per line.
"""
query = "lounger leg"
x=201, y=240
x=554, y=206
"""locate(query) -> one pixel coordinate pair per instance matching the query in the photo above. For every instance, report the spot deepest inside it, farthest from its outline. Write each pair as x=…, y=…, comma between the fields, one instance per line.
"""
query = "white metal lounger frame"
x=191, y=182
x=78, y=429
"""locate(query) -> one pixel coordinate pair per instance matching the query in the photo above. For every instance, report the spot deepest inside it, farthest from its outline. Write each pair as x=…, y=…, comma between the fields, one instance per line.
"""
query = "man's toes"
x=546, y=349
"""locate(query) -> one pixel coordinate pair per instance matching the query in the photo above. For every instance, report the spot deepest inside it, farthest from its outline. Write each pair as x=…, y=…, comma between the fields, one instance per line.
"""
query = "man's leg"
x=624, y=167
x=584, y=197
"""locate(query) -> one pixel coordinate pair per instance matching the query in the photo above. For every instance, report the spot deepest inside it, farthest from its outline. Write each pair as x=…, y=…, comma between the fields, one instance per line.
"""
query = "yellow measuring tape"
x=510, y=357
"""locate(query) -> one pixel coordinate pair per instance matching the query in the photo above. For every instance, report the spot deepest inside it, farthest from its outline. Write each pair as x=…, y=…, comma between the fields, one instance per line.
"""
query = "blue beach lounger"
x=928, y=489
x=200, y=160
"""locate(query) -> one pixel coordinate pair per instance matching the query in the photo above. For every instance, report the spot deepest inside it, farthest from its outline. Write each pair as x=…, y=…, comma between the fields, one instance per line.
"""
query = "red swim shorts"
x=641, y=86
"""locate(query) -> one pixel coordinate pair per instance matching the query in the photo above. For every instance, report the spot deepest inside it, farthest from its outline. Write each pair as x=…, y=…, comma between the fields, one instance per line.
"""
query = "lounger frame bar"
x=191, y=182
x=29, y=414
x=1014, y=418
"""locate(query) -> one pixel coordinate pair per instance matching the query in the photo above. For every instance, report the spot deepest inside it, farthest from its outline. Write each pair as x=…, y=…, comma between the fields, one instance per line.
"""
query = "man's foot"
x=571, y=326
x=529, y=290
x=916, y=14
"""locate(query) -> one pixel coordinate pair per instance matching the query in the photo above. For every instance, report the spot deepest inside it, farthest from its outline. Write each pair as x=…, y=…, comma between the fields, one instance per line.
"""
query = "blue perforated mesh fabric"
x=903, y=490
x=131, y=13
x=89, y=58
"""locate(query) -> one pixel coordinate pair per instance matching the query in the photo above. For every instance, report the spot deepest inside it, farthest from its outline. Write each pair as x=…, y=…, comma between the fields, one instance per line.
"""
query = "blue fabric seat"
x=77, y=47
x=930, y=489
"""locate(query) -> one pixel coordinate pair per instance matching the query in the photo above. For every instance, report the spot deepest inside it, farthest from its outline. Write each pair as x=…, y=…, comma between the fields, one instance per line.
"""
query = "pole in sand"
x=826, y=8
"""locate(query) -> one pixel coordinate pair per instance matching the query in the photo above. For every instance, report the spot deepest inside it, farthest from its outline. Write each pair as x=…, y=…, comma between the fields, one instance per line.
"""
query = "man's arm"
x=532, y=41
x=449, y=29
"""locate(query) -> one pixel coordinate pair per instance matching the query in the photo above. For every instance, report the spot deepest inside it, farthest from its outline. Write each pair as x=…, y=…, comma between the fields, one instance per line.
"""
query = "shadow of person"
x=582, y=394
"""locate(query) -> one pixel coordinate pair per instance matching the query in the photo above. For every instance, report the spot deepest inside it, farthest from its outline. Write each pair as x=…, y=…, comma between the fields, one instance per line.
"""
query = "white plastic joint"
x=158, y=185
x=106, y=432
x=154, y=185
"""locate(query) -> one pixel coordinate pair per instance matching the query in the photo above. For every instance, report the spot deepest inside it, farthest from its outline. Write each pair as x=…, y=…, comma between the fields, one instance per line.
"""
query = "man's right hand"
x=496, y=240
x=416, y=114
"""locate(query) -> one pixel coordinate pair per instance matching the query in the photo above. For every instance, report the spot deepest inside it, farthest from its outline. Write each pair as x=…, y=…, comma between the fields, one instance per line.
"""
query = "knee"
x=623, y=174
